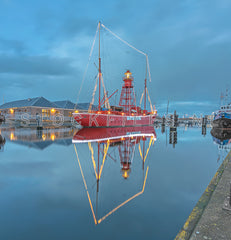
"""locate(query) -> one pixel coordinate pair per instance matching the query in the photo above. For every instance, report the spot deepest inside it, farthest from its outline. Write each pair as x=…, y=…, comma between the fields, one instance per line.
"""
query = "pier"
x=210, y=218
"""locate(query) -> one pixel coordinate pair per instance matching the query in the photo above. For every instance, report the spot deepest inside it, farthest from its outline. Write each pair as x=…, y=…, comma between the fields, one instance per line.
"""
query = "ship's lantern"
x=126, y=171
x=128, y=74
x=125, y=174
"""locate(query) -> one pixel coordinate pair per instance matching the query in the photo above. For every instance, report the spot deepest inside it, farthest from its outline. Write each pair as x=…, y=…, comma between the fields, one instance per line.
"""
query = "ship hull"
x=222, y=122
x=222, y=119
x=113, y=120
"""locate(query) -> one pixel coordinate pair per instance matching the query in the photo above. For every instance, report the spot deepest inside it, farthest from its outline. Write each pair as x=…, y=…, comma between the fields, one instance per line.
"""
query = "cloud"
x=11, y=46
x=187, y=43
x=220, y=39
x=35, y=65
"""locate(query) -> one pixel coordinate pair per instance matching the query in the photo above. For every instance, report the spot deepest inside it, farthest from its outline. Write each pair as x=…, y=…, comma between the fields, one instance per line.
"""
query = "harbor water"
x=53, y=189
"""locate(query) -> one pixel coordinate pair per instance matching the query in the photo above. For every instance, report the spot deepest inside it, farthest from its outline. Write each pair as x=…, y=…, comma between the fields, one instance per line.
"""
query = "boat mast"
x=99, y=69
x=145, y=84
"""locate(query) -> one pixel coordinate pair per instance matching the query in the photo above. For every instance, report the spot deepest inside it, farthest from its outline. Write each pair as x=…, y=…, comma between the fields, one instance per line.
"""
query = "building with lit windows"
x=32, y=109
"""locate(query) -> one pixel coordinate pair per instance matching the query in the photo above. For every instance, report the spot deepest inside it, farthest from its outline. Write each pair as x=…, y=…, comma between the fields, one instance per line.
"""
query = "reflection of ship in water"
x=222, y=137
x=2, y=142
x=39, y=139
x=222, y=117
x=221, y=134
x=105, y=140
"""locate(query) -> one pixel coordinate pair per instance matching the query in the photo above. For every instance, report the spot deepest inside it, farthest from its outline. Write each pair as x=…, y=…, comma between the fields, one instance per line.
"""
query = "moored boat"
x=124, y=115
x=222, y=117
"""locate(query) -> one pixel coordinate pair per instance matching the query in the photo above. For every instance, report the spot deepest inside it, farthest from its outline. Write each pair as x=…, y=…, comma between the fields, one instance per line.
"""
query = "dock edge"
x=190, y=224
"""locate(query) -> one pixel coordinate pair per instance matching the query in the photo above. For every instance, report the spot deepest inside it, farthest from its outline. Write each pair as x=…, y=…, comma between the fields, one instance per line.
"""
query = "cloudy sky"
x=45, y=46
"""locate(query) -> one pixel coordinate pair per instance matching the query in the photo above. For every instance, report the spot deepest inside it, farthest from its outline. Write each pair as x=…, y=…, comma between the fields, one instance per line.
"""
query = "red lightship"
x=127, y=114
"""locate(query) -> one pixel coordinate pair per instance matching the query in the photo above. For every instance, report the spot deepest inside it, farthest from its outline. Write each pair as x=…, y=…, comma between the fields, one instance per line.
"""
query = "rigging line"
x=93, y=160
x=149, y=72
x=141, y=98
x=104, y=157
x=123, y=40
x=139, y=51
x=105, y=94
x=89, y=58
x=128, y=200
x=93, y=94
x=85, y=184
x=141, y=155
x=150, y=101
x=133, y=151
x=150, y=144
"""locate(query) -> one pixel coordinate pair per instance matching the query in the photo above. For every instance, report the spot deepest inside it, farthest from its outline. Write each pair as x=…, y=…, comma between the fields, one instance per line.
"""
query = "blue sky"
x=44, y=49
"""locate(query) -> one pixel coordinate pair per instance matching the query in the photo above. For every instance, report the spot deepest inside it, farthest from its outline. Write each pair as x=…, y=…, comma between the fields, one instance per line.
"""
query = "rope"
x=93, y=160
x=141, y=99
x=149, y=73
x=128, y=44
x=128, y=200
x=89, y=58
x=141, y=155
x=105, y=94
x=150, y=144
x=104, y=157
x=93, y=95
x=85, y=184
x=150, y=101
x=133, y=152
x=123, y=40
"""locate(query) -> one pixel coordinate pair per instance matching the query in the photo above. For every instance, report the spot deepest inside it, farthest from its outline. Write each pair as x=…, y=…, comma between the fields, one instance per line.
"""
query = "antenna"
x=167, y=107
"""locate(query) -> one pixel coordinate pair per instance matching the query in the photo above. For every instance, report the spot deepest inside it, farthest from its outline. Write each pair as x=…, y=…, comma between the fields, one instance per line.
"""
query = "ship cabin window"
x=222, y=107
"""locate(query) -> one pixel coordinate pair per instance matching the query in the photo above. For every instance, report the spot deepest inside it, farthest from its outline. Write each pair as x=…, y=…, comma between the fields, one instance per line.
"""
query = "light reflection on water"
x=121, y=142
x=143, y=190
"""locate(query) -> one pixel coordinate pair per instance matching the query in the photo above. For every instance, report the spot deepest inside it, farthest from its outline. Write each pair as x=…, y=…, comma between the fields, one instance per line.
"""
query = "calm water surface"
x=45, y=196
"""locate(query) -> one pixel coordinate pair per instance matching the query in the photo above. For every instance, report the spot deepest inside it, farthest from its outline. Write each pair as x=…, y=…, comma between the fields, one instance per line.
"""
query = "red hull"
x=105, y=119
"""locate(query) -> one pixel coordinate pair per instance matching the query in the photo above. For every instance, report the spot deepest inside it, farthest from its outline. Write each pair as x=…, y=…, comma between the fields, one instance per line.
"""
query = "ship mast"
x=145, y=84
x=99, y=70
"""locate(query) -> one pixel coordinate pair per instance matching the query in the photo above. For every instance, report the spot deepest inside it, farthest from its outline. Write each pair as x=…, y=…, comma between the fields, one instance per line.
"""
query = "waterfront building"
x=32, y=109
